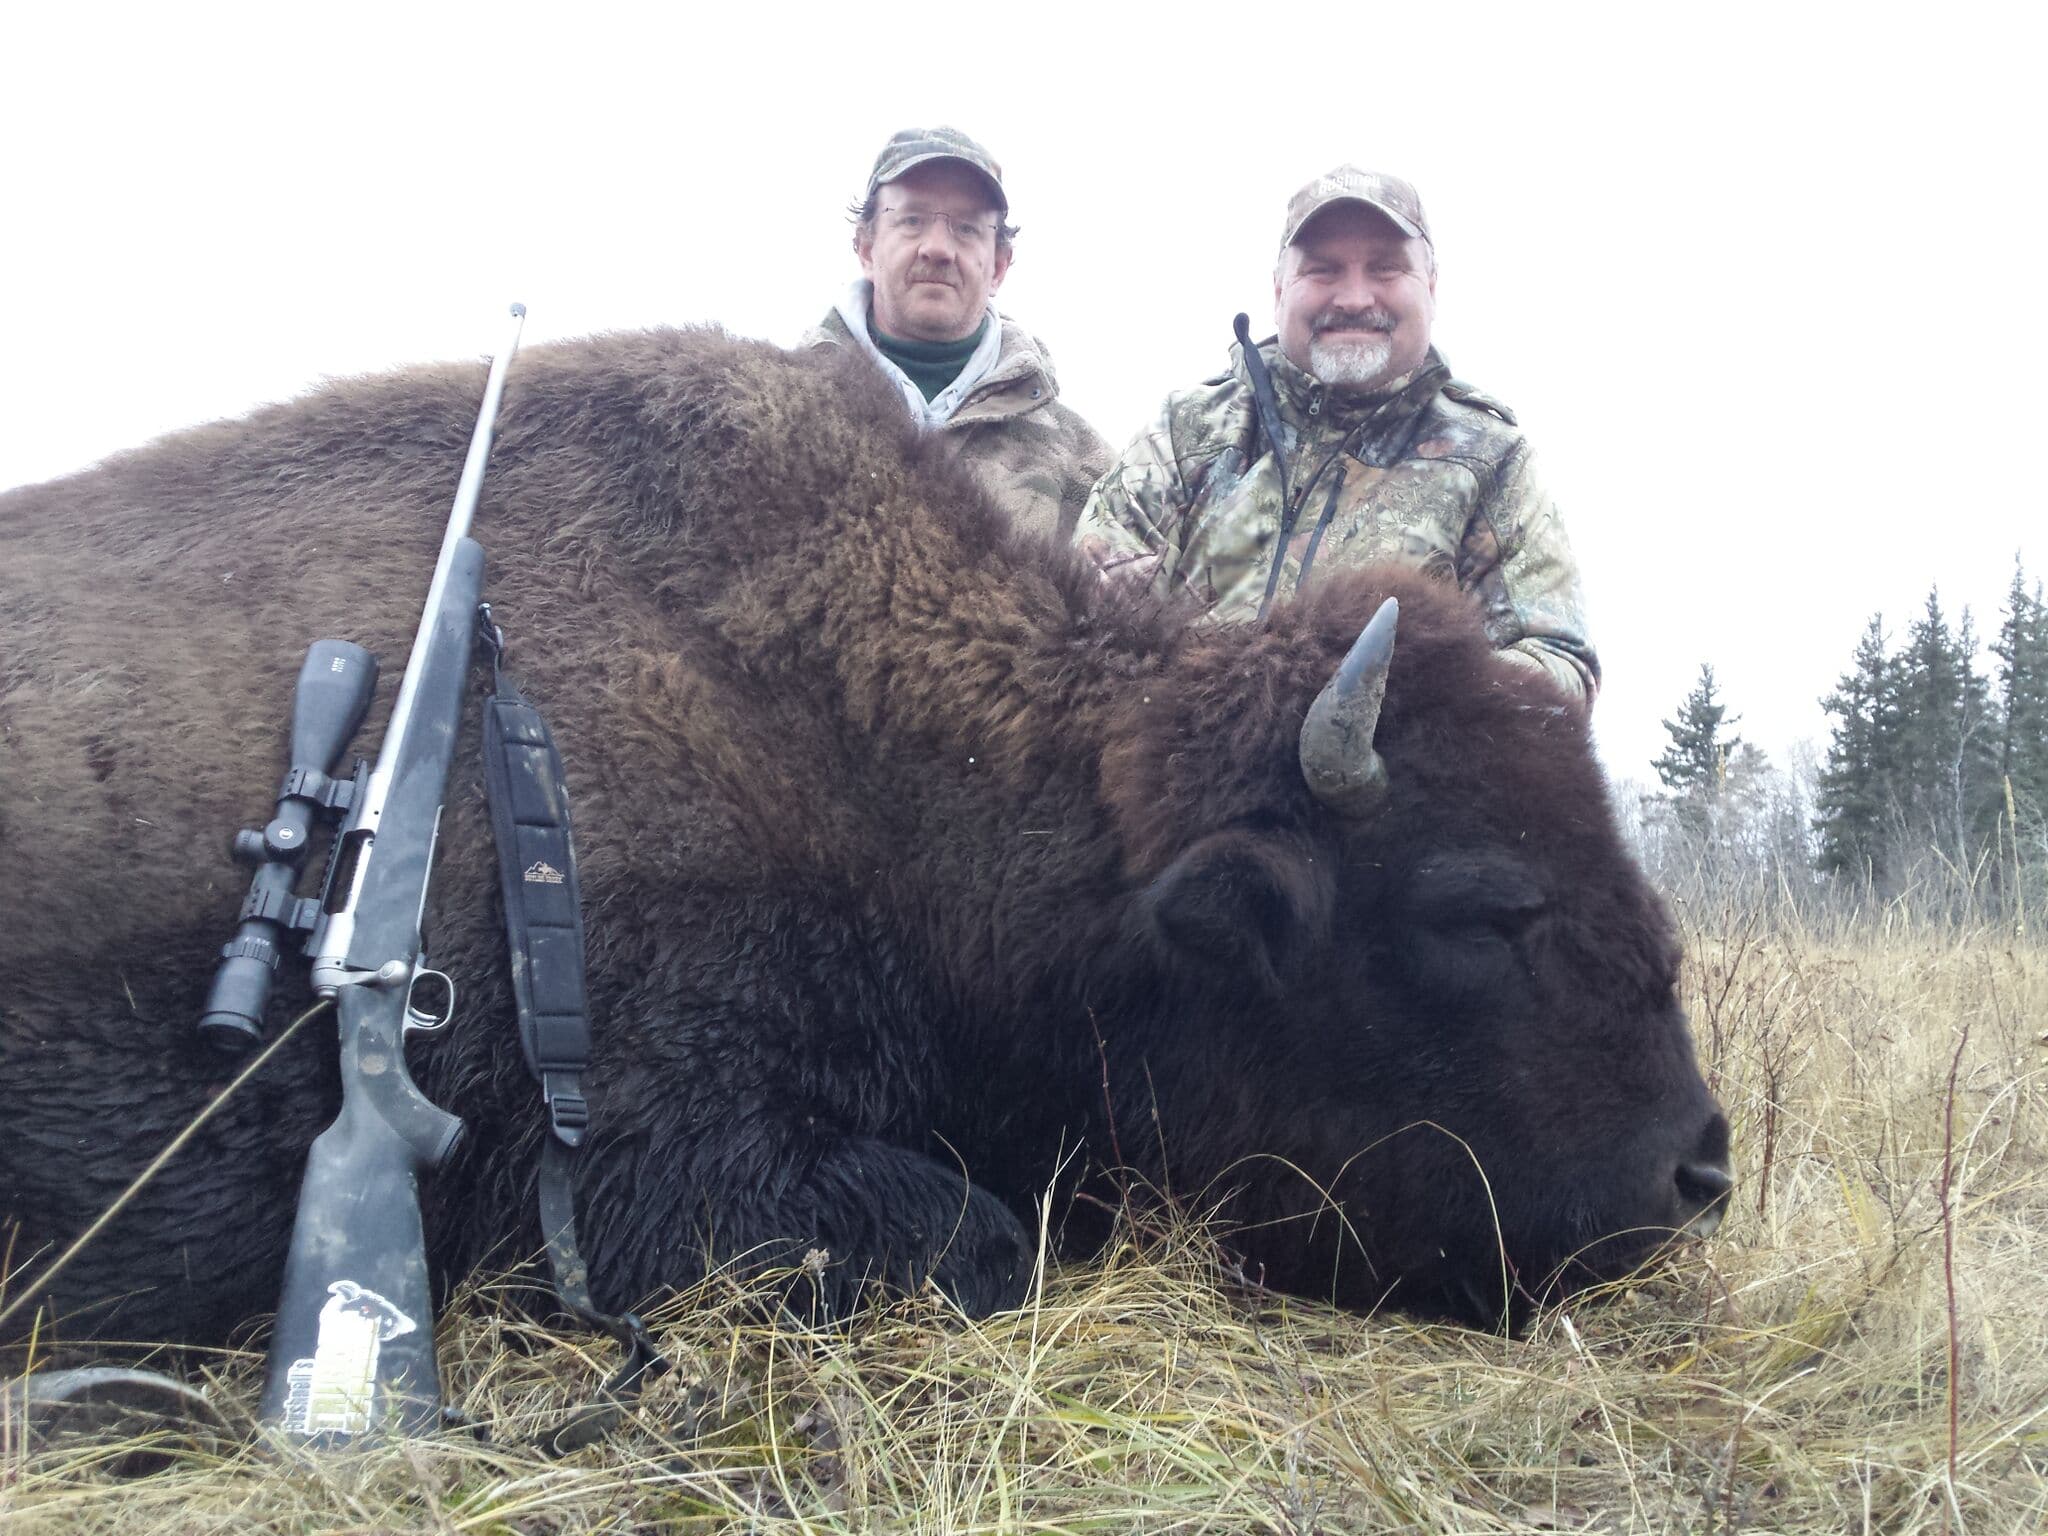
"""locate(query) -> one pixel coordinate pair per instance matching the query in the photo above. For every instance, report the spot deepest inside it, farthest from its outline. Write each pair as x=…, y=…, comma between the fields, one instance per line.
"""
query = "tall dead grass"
x=1793, y=1376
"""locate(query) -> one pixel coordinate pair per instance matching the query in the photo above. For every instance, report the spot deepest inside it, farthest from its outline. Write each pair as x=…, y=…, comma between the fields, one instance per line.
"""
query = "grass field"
x=1860, y=1349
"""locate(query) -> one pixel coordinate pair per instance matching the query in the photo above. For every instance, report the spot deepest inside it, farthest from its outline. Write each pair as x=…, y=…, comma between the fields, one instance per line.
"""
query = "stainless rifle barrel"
x=332, y=939
x=467, y=492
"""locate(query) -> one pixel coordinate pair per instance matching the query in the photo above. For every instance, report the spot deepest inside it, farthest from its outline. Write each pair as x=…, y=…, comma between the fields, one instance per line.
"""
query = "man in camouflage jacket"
x=934, y=245
x=1382, y=454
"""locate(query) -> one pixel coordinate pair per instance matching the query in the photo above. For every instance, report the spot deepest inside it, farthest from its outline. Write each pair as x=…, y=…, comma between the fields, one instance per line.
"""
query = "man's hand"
x=1131, y=572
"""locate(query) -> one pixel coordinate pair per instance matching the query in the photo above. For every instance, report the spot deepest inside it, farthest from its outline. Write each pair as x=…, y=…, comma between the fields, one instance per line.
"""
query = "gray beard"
x=1350, y=362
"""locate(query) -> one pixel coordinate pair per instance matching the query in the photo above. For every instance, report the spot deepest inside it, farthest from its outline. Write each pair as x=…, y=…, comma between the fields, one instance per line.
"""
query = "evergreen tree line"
x=1934, y=784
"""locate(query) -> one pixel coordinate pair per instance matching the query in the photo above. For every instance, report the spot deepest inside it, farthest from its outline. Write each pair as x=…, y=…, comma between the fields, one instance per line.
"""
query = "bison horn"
x=1337, y=756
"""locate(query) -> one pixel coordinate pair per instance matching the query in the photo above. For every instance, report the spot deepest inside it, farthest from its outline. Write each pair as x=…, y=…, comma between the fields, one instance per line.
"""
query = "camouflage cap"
x=914, y=146
x=1348, y=184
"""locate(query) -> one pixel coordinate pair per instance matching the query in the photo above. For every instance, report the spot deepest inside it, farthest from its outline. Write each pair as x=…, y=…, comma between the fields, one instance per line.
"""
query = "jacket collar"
x=1019, y=379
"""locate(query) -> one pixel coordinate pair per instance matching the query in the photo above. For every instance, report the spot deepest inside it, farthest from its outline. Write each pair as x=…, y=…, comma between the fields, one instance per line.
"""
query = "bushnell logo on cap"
x=1348, y=184
x=914, y=146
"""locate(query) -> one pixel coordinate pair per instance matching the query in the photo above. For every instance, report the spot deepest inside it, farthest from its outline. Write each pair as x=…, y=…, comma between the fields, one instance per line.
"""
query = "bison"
x=926, y=878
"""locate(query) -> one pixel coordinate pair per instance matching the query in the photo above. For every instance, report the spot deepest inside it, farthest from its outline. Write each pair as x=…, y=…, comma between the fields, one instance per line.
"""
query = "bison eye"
x=1465, y=916
x=1467, y=897
x=1486, y=931
x=1506, y=922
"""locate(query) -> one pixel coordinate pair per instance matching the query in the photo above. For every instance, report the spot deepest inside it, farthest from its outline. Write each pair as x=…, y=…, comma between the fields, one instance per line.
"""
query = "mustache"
x=1380, y=320
x=931, y=272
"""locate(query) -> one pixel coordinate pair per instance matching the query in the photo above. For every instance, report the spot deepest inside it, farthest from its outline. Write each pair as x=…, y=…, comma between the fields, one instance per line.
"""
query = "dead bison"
x=913, y=861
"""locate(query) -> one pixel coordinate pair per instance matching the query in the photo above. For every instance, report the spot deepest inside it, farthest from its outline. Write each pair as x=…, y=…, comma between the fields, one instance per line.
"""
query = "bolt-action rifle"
x=352, y=1355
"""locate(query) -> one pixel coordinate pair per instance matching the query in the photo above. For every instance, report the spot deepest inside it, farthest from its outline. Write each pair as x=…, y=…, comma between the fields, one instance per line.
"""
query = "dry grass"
x=1793, y=1377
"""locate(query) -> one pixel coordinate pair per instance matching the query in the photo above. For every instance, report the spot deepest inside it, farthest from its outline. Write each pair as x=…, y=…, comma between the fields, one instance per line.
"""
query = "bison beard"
x=898, y=830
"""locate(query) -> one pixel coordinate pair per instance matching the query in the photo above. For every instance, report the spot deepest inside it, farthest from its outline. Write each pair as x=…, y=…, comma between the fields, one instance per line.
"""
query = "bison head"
x=1425, y=1040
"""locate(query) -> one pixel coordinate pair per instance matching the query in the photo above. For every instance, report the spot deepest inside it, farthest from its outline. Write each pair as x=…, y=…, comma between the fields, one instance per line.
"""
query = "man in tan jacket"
x=934, y=243
x=1364, y=448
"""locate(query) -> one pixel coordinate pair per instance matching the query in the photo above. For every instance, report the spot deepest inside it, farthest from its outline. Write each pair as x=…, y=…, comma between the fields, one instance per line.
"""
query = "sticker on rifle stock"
x=541, y=872
x=334, y=1390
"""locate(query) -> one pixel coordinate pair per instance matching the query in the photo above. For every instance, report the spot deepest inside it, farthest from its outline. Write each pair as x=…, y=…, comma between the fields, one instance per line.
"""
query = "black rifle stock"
x=352, y=1355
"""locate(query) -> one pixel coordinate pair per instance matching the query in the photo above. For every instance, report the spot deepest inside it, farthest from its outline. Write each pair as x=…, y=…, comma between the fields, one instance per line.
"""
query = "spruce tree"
x=1979, y=792
x=2022, y=652
x=1695, y=766
x=1946, y=752
x=1854, y=795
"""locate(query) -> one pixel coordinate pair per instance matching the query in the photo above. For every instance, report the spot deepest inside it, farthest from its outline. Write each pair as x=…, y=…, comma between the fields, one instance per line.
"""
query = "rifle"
x=352, y=1354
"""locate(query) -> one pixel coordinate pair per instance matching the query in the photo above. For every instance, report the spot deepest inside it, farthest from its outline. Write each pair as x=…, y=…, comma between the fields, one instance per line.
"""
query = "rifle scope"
x=333, y=694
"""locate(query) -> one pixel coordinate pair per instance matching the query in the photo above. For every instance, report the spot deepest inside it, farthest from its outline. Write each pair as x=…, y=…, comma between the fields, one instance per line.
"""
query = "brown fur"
x=889, y=816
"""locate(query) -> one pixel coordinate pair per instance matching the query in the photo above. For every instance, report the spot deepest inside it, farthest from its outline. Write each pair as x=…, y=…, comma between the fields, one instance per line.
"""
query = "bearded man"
x=934, y=240
x=1344, y=439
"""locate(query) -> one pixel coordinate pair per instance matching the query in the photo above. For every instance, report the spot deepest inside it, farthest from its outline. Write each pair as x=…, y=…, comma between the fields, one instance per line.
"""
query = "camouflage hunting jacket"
x=1039, y=458
x=1431, y=472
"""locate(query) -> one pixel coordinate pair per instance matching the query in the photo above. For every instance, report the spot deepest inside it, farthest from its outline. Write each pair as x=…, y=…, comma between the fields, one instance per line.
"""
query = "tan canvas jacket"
x=1431, y=472
x=1037, y=456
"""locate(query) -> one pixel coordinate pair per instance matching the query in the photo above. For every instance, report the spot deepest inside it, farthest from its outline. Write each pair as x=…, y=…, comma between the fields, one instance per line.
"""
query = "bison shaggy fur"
x=925, y=877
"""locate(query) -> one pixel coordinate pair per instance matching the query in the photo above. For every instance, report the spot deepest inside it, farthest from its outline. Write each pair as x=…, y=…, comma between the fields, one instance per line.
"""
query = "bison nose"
x=1703, y=1195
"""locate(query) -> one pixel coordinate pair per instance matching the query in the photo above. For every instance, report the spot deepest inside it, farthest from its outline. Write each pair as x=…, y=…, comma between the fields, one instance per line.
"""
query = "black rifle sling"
x=1266, y=411
x=544, y=935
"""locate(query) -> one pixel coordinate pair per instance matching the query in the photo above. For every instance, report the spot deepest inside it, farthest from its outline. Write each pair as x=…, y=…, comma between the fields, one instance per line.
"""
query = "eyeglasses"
x=911, y=223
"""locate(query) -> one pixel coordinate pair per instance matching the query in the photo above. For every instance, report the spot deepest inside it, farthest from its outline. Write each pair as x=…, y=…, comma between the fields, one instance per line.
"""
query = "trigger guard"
x=426, y=1023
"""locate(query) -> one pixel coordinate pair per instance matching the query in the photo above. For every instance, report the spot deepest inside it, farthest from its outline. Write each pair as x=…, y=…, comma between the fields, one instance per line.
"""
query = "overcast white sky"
x=1765, y=284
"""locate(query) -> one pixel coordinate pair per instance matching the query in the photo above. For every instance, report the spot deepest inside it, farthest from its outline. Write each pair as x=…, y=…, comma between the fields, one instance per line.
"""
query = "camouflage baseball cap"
x=1348, y=184
x=914, y=146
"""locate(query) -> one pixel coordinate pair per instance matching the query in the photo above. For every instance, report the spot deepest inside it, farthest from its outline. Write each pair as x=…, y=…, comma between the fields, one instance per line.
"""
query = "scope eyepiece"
x=233, y=1021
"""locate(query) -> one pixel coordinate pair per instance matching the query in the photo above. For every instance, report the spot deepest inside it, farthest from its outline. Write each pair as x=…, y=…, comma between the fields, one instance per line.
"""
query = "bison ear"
x=1241, y=904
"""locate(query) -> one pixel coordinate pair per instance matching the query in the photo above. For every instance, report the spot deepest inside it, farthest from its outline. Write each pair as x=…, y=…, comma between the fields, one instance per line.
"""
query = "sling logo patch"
x=541, y=872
